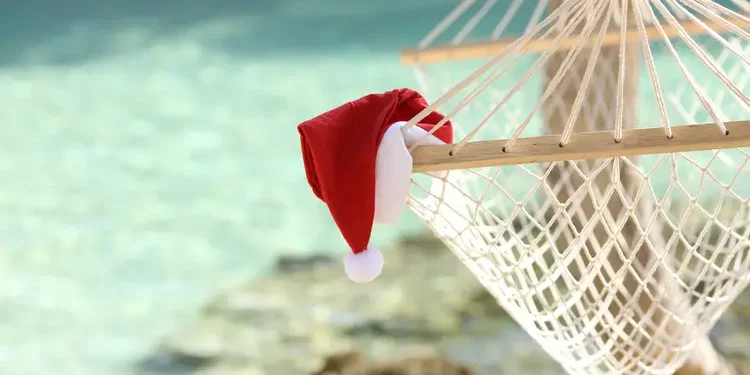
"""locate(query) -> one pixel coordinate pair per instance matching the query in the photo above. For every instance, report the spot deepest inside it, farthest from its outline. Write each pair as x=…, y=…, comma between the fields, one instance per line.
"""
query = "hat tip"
x=365, y=266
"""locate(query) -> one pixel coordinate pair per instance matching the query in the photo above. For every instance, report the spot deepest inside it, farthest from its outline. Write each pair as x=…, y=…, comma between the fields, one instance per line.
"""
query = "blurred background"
x=153, y=198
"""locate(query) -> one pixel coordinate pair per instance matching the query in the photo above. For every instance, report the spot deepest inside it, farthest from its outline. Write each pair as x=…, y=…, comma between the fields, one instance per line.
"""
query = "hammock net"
x=618, y=265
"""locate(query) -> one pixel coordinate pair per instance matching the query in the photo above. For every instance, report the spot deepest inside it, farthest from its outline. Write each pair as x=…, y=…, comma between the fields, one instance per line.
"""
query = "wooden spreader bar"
x=443, y=53
x=591, y=145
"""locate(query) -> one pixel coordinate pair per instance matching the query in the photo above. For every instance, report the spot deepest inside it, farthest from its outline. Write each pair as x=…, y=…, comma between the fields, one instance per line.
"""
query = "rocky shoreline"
x=426, y=304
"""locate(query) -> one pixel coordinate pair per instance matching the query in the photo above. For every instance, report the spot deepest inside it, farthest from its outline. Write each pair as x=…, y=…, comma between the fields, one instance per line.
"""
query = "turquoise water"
x=150, y=156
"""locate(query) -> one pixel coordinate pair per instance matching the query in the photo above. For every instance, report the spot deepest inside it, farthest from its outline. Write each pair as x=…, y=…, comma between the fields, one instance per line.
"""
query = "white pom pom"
x=365, y=266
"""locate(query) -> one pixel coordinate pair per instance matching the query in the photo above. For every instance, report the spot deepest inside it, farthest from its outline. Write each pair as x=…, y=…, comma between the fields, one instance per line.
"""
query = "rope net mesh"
x=615, y=266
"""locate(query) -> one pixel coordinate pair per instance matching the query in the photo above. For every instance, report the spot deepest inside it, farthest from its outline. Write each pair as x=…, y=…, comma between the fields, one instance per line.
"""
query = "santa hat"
x=357, y=161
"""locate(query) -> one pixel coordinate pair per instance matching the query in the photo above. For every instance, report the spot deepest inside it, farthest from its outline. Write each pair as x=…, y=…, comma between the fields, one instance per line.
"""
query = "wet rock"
x=355, y=363
x=247, y=305
x=291, y=263
x=200, y=344
x=508, y=350
x=425, y=305
x=169, y=363
x=350, y=362
x=347, y=321
x=186, y=352
x=289, y=322
x=421, y=241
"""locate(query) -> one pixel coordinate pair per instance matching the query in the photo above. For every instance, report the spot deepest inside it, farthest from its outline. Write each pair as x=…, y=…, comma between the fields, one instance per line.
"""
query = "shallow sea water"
x=149, y=156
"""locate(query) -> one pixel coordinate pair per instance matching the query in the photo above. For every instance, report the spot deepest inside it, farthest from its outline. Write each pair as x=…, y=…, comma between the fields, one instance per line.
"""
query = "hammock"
x=599, y=184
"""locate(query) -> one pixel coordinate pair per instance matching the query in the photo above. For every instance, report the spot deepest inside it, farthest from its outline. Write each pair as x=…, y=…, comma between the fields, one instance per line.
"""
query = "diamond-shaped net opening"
x=619, y=265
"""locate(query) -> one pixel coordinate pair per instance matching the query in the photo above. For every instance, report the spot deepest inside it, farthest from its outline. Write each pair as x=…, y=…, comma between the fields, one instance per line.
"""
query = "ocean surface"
x=149, y=156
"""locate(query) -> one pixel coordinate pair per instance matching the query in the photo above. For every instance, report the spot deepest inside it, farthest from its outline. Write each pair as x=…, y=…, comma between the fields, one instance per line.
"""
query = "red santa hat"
x=357, y=162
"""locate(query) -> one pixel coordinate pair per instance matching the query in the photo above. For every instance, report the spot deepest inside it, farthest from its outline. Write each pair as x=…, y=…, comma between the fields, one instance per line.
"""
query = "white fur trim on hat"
x=393, y=170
